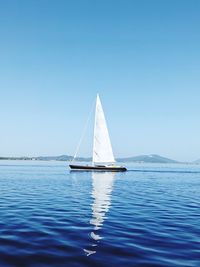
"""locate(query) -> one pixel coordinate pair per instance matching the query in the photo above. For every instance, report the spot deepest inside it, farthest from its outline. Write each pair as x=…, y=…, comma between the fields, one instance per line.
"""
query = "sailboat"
x=102, y=158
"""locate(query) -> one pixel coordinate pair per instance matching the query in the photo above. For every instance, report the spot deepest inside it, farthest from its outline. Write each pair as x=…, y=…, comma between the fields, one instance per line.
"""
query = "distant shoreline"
x=152, y=158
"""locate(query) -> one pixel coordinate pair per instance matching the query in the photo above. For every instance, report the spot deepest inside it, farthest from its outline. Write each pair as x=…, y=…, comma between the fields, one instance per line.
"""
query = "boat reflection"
x=102, y=184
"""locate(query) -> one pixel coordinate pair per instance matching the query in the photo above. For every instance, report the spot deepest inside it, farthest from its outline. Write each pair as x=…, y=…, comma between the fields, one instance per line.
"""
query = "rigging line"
x=83, y=133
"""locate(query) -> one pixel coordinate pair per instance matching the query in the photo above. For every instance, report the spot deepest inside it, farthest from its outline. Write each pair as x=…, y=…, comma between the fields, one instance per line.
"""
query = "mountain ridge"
x=197, y=161
x=152, y=158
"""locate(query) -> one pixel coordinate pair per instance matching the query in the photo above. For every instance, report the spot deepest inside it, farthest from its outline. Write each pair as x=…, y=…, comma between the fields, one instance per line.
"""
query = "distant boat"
x=103, y=158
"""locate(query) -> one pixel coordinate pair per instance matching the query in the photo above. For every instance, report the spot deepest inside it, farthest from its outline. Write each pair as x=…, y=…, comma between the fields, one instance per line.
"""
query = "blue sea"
x=148, y=216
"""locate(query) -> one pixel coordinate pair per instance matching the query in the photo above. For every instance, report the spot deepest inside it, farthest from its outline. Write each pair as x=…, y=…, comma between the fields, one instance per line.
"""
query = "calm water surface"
x=148, y=216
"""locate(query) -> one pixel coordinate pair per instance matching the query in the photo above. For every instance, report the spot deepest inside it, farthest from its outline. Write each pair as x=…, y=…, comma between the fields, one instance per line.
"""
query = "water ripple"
x=51, y=217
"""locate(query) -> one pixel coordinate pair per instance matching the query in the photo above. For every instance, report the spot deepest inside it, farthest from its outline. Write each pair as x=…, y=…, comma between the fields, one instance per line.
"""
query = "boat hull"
x=97, y=168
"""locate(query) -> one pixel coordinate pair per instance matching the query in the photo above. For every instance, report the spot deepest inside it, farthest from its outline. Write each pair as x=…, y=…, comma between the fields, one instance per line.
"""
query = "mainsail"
x=102, y=149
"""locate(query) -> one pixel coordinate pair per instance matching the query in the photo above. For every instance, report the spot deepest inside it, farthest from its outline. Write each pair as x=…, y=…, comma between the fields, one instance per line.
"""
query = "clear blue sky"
x=143, y=57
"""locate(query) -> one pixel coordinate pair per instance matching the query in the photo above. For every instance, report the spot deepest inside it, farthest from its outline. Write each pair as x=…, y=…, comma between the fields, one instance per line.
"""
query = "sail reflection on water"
x=102, y=184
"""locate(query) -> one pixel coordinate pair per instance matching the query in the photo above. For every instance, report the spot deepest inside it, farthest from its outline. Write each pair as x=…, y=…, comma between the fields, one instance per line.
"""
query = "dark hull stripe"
x=97, y=168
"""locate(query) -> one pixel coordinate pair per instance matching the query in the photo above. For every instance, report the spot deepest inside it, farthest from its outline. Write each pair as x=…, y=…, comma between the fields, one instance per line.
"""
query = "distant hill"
x=153, y=158
x=58, y=158
x=197, y=161
x=142, y=158
x=61, y=158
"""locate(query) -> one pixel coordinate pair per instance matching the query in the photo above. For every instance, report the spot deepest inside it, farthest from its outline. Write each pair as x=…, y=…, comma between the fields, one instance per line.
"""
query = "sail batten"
x=102, y=149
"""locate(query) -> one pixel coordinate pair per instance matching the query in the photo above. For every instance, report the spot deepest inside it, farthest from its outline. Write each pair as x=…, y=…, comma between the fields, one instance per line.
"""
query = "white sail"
x=102, y=149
